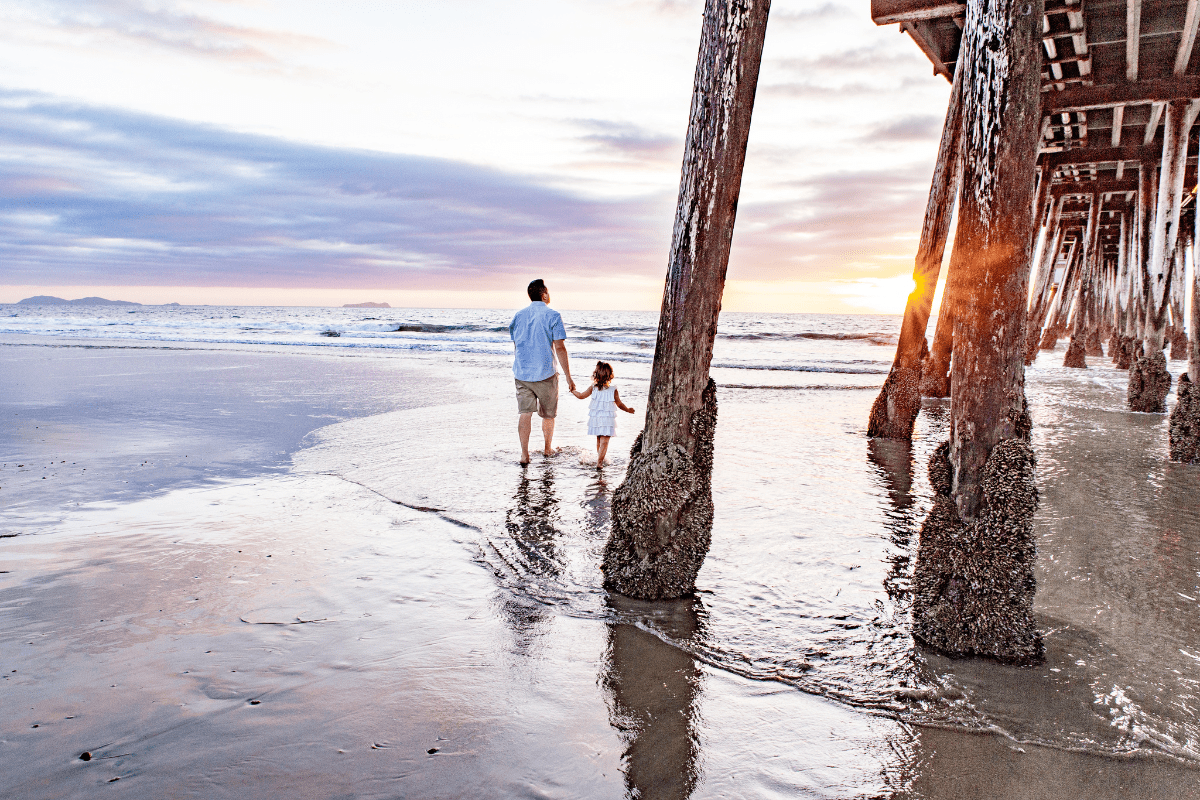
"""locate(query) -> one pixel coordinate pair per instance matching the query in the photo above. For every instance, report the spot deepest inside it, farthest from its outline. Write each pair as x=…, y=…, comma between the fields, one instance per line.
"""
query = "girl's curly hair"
x=603, y=374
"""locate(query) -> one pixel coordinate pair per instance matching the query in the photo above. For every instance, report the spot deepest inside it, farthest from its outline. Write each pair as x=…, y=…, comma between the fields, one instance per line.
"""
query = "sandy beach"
x=299, y=573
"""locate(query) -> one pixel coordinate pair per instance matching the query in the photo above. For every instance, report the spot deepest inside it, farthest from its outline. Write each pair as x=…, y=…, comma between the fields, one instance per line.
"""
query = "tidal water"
x=806, y=586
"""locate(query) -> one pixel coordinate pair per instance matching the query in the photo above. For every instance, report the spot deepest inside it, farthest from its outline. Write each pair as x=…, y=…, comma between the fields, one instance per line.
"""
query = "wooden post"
x=1043, y=294
x=1083, y=300
x=1149, y=380
x=1143, y=224
x=1066, y=295
x=973, y=581
x=1123, y=355
x=662, y=513
x=1178, y=333
x=899, y=401
x=1183, y=431
x=935, y=373
x=1194, y=322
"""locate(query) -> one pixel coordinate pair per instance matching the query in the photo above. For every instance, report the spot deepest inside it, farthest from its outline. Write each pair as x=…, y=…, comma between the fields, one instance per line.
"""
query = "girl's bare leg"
x=601, y=449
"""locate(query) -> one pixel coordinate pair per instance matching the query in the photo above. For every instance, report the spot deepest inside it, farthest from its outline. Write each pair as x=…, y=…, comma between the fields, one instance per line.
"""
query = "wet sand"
x=286, y=629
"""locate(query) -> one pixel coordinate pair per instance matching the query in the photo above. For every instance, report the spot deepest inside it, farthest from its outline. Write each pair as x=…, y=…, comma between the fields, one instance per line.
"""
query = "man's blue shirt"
x=534, y=330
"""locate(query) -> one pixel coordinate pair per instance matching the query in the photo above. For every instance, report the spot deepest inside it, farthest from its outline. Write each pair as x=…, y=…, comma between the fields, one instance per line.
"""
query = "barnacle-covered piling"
x=1149, y=383
x=1184, y=428
x=974, y=568
x=662, y=513
x=973, y=591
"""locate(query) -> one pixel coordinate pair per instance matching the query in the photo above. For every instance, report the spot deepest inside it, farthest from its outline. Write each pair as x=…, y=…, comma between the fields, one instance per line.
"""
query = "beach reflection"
x=597, y=507
x=532, y=553
x=652, y=688
x=893, y=463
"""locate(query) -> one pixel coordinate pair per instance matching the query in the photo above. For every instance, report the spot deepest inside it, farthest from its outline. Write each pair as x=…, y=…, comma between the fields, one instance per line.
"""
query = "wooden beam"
x=1101, y=155
x=1084, y=98
x=1156, y=110
x=1102, y=186
x=939, y=67
x=888, y=12
x=1118, y=121
x=1188, y=37
x=1133, y=38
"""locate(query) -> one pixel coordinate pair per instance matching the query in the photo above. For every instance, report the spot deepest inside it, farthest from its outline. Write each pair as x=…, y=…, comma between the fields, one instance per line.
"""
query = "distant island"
x=366, y=305
x=50, y=300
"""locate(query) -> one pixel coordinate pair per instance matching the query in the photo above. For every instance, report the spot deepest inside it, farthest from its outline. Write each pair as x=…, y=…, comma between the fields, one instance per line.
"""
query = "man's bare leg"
x=548, y=432
x=524, y=425
x=601, y=449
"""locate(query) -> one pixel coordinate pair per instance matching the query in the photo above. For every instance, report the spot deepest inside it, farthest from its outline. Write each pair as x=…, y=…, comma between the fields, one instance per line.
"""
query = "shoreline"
x=375, y=629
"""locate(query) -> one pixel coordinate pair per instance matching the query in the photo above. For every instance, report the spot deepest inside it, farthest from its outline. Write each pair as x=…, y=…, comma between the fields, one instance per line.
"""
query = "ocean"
x=804, y=592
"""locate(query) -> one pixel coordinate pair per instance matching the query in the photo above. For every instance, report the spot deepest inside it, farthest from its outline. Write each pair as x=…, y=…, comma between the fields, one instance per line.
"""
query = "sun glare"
x=884, y=295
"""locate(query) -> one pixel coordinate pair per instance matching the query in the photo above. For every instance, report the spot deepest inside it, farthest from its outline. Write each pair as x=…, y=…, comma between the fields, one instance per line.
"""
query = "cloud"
x=141, y=24
x=907, y=129
x=105, y=197
x=807, y=16
x=843, y=224
x=629, y=142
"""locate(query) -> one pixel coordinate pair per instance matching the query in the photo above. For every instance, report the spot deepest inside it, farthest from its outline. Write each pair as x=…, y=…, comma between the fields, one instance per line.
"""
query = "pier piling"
x=662, y=512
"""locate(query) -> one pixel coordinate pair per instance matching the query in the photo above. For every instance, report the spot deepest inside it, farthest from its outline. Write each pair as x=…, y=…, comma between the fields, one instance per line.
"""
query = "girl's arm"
x=583, y=395
x=617, y=400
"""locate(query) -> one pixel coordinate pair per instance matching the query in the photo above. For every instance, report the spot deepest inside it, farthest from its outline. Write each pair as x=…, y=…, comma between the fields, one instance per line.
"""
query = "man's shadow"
x=651, y=688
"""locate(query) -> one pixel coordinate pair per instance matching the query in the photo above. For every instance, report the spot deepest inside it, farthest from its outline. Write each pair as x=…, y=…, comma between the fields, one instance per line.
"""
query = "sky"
x=443, y=153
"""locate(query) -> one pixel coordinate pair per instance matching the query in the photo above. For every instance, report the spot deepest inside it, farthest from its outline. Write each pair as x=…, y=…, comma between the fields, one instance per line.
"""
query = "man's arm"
x=560, y=349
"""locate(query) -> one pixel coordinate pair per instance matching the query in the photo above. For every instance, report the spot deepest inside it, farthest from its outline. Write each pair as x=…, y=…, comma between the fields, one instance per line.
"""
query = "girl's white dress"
x=602, y=413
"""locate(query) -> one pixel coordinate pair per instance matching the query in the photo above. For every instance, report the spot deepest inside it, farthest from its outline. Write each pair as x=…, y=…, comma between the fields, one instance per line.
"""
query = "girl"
x=602, y=419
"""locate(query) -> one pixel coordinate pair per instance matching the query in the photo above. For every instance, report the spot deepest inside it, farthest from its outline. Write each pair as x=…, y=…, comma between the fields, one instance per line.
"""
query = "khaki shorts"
x=538, y=396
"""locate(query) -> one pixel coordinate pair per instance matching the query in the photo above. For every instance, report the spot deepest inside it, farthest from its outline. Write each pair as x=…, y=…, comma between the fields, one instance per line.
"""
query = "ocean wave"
x=822, y=387
x=421, y=327
x=872, y=337
x=835, y=370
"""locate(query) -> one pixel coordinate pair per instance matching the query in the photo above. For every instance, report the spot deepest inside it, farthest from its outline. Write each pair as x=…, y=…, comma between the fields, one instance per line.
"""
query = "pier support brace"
x=662, y=512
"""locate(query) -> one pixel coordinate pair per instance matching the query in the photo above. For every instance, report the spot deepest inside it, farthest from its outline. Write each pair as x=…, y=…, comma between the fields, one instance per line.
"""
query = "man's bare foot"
x=552, y=451
x=524, y=459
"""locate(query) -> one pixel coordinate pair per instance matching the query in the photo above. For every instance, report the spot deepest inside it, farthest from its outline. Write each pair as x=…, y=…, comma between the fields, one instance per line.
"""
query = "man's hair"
x=536, y=288
x=603, y=374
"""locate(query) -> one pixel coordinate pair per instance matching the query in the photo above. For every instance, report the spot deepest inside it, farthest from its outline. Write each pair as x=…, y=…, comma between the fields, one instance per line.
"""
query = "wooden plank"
x=888, y=12
x=1118, y=121
x=1083, y=98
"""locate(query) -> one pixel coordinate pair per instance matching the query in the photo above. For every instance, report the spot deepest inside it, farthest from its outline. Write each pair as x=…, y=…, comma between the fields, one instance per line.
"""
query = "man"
x=539, y=336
